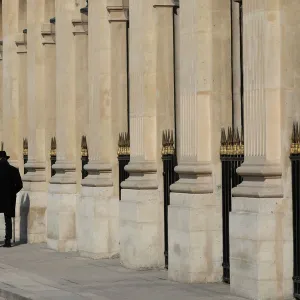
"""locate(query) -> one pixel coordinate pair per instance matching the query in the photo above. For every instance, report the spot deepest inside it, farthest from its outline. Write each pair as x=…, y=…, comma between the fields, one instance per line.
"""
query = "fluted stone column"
x=21, y=43
x=22, y=203
x=48, y=41
x=236, y=64
x=195, y=236
x=81, y=85
x=261, y=221
x=165, y=69
x=151, y=111
x=34, y=198
x=11, y=137
x=98, y=208
x=61, y=224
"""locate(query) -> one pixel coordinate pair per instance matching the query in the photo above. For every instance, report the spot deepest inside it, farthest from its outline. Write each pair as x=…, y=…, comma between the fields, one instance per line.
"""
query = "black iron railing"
x=25, y=154
x=169, y=177
x=53, y=155
x=232, y=156
x=123, y=157
x=295, y=162
x=84, y=157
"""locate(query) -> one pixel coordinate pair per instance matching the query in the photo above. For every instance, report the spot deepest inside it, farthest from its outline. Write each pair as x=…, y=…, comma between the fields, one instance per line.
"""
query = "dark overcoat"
x=10, y=185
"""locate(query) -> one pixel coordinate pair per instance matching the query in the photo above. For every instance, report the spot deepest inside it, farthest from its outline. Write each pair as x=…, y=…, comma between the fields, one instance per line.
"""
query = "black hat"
x=3, y=155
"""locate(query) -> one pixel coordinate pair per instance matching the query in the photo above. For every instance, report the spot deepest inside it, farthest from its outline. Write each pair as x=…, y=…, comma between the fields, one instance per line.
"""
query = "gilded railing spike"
x=25, y=147
x=232, y=142
x=84, y=148
x=295, y=139
x=53, y=147
x=168, y=142
x=124, y=144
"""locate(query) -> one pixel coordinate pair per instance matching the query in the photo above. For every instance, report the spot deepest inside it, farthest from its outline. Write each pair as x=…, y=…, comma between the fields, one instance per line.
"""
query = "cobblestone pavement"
x=35, y=272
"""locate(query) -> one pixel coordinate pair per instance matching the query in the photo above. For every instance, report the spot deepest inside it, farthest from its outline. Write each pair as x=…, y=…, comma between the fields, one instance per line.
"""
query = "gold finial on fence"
x=232, y=143
x=25, y=147
x=168, y=142
x=295, y=139
x=53, y=147
x=223, y=149
x=124, y=144
x=84, y=147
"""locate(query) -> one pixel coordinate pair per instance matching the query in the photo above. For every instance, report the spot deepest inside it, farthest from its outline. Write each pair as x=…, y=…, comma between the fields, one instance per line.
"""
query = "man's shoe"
x=7, y=244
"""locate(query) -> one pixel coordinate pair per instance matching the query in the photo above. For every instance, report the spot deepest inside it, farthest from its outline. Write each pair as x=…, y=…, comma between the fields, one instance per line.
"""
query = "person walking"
x=10, y=184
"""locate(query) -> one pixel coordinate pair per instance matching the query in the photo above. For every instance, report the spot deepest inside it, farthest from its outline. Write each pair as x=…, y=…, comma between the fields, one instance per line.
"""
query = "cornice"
x=48, y=34
x=21, y=42
x=80, y=27
x=118, y=13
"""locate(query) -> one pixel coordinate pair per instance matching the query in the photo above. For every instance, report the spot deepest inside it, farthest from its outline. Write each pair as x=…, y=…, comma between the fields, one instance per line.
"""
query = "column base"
x=61, y=217
x=195, y=178
x=261, y=248
x=36, y=172
x=33, y=206
x=195, y=238
x=141, y=229
x=97, y=223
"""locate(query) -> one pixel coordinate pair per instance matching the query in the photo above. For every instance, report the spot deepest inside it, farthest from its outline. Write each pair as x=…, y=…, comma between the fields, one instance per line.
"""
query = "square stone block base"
x=141, y=229
x=97, y=222
x=261, y=248
x=61, y=217
x=31, y=217
x=195, y=238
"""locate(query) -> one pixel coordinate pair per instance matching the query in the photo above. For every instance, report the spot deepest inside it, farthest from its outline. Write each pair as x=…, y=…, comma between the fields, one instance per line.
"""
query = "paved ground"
x=35, y=272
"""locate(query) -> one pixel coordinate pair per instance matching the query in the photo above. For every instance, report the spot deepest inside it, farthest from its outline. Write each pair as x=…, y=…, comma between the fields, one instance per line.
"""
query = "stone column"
x=236, y=63
x=80, y=32
x=107, y=117
x=21, y=43
x=151, y=111
x=261, y=221
x=165, y=68
x=61, y=225
x=195, y=236
x=11, y=137
x=21, y=207
x=48, y=41
x=34, y=198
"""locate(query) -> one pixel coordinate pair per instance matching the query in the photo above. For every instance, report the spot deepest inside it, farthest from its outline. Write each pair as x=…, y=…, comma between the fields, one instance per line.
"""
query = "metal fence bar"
x=232, y=156
x=123, y=175
x=169, y=177
x=295, y=163
x=123, y=157
x=169, y=160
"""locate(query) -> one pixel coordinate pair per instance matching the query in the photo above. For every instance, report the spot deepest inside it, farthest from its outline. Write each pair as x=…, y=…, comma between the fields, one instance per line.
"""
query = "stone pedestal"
x=61, y=222
x=62, y=194
x=261, y=245
x=195, y=230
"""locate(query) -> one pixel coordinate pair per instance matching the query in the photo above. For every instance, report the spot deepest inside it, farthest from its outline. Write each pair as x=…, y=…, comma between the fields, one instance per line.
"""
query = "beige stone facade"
x=71, y=69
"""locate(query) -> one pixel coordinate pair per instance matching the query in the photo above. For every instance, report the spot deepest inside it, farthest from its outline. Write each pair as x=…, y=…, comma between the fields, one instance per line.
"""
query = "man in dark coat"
x=10, y=185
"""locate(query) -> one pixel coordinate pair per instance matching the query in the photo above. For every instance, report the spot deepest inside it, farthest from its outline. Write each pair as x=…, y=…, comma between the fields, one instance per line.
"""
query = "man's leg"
x=8, y=230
